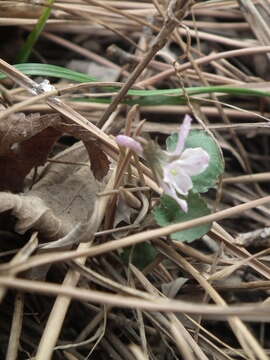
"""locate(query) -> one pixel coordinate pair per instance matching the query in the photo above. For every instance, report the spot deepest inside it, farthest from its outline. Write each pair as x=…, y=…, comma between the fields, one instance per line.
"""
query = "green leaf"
x=139, y=255
x=35, y=33
x=46, y=70
x=200, y=138
x=169, y=212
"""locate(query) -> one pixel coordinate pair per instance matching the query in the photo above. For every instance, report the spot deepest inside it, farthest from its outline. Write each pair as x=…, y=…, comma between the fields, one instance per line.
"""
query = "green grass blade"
x=34, y=35
x=46, y=70
x=147, y=97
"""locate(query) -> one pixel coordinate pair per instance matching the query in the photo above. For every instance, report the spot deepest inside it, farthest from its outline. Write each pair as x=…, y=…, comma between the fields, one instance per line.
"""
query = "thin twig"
x=179, y=7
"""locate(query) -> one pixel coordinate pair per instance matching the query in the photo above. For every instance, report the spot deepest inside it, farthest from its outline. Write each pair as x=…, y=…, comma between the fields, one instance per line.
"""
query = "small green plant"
x=191, y=164
x=198, y=167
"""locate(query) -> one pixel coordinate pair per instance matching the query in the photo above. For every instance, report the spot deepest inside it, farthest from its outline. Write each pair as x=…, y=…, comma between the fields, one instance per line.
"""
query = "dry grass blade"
x=255, y=312
x=205, y=60
x=16, y=328
x=244, y=336
x=220, y=234
x=186, y=344
x=256, y=21
x=22, y=255
x=181, y=342
x=138, y=353
x=133, y=239
x=58, y=313
x=231, y=269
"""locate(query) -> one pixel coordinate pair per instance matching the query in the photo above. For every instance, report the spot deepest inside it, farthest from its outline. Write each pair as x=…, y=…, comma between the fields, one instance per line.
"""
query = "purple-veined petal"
x=130, y=143
x=194, y=161
x=176, y=177
x=168, y=190
x=182, y=135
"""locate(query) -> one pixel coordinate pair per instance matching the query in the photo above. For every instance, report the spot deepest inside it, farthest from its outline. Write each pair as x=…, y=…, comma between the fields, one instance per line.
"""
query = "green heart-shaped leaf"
x=169, y=212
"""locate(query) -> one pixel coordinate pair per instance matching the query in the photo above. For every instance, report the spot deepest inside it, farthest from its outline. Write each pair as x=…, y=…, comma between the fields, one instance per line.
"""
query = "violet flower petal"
x=168, y=190
x=130, y=143
x=174, y=176
x=194, y=161
x=182, y=135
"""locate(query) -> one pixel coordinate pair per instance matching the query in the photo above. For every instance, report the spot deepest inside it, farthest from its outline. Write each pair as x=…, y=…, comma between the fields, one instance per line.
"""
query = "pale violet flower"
x=175, y=168
x=179, y=165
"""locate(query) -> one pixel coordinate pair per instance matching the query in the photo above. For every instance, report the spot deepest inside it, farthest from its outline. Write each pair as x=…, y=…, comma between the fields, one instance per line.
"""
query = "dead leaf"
x=17, y=162
x=100, y=163
x=19, y=127
x=31, y=213
x=123, y=212
x=68, y=190
x=63, y=198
